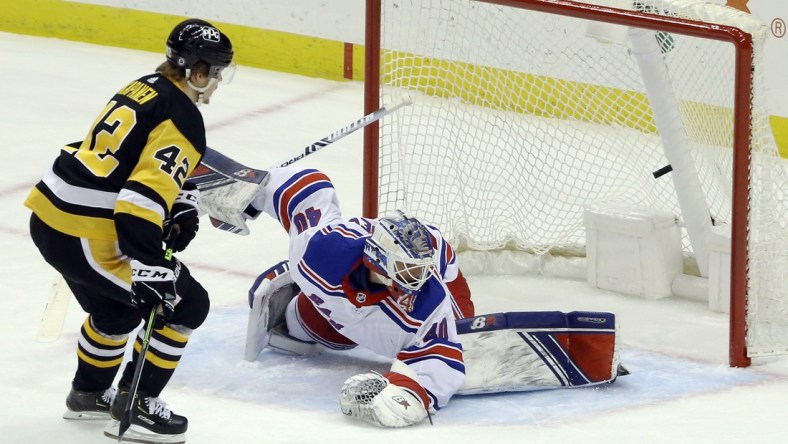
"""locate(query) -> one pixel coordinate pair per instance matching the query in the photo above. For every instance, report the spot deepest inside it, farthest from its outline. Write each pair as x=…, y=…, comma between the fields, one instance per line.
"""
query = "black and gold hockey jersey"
x=122, y=179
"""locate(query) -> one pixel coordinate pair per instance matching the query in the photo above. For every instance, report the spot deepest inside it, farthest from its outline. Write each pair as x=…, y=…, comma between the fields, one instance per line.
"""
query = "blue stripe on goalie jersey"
x=455, y=309
x=428, y=299
x=298, y=195
x=330, y=256
x=452, y=363
x=555, y=357
x=349, y=231
x=443, y=260
x=397, y=315
x=304, y=194
x=313, y=278
x=444, y=253
x=364, y=222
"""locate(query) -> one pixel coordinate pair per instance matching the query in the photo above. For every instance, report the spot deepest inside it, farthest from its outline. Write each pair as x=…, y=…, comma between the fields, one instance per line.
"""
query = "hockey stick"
x=125, y=418
x=349, y=129
x=54, y=315
x=228, y=187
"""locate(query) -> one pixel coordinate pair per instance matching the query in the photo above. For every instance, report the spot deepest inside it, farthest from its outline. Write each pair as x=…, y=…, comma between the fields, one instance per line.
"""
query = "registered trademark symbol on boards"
x=778, y=27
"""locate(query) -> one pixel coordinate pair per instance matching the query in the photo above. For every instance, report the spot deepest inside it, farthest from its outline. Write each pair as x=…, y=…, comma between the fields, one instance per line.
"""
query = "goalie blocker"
x=502, y=352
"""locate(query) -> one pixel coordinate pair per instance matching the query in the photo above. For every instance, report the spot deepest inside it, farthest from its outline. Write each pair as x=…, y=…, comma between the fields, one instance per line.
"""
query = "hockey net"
x=527, y=112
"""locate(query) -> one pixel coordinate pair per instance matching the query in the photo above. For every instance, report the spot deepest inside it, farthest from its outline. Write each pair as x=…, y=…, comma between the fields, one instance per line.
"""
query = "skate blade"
x=139, y=434
x=86, y=416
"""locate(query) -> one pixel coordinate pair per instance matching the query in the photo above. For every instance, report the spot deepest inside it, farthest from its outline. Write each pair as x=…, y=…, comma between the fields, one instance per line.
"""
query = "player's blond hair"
x=178, y=74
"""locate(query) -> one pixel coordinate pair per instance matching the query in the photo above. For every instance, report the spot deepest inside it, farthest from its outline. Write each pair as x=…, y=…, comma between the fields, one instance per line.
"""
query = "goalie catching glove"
x=155, y=284
x=184, y=217
x=390, y=400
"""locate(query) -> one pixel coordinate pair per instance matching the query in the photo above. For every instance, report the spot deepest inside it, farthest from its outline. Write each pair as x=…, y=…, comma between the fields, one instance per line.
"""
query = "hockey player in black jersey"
x=101, y=214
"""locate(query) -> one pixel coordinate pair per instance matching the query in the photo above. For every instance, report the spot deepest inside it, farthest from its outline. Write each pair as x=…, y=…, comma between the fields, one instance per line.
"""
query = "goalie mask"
x=400, y=249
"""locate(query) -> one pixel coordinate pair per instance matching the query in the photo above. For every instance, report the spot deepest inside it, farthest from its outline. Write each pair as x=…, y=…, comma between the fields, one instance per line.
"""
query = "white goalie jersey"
x=326, y=263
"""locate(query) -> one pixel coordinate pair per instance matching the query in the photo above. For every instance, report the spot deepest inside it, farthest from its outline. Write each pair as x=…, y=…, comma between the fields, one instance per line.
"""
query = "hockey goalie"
x=392, y=285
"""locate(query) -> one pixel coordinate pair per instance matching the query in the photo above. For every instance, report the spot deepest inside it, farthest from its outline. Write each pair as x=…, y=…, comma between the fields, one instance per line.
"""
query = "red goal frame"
x=743, y=44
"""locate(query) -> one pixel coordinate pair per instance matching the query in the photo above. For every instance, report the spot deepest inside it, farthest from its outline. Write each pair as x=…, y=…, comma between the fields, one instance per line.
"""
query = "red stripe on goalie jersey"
x=295, y=191
x=461, y=295
x=318, y=327
x=592, y=353
x=445, y=251
x=462, y=306
x=396, y=313
x=441, y=351
x=410, y=385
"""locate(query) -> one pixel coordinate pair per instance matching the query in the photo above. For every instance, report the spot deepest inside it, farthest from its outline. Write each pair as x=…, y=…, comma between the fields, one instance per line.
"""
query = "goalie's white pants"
x=294, y=327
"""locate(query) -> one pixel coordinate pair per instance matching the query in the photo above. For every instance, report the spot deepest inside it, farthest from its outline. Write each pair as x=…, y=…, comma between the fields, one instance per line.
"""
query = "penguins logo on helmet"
x=211, y=34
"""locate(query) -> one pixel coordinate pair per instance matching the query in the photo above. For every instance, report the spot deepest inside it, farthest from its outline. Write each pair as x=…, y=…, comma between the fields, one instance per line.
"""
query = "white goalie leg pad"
x=269, y=298
x=292, y=341
x=369, y=397
x=521, y=351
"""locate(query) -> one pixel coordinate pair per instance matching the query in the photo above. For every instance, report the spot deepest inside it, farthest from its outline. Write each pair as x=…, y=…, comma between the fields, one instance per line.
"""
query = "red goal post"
x=381, y=77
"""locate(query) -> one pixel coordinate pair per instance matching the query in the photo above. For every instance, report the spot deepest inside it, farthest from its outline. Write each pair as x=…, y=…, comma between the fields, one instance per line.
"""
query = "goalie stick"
x=228, y=187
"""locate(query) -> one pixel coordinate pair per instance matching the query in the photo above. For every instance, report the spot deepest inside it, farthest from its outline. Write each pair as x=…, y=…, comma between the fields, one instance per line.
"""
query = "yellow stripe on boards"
x=259, y=48
x=148, y=31
x=780, y=130
x=556, y=98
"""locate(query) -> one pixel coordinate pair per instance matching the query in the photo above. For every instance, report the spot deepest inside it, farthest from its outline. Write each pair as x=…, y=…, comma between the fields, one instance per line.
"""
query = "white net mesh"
x=522, y=119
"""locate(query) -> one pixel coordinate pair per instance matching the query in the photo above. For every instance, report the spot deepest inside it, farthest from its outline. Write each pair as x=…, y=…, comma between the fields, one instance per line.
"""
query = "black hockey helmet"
x=195, y=40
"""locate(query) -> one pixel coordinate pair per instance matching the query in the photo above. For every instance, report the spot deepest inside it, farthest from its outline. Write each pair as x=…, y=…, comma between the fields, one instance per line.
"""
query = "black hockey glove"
x=155, y=284
x=184, y=217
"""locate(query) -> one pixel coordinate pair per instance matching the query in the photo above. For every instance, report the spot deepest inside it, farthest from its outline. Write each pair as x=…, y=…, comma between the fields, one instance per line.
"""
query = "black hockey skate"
x=89, y=405
x=151, y=420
